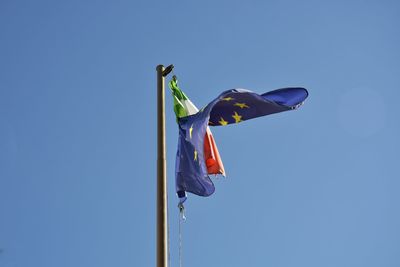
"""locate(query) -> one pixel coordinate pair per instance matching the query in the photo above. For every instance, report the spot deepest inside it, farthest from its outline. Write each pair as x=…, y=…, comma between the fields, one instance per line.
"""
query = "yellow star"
x=241, y=105
x=227, y=98
x=190, y=131
x=195, y=155
x=223, y=122
x=237, y=117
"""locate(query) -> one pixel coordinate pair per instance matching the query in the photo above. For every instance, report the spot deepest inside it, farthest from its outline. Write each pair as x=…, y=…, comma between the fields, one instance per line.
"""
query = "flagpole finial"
x=168, y=70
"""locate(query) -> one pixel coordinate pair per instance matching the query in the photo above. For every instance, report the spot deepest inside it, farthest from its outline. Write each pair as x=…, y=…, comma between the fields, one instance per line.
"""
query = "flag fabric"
x=231, y=107
x=184, y=107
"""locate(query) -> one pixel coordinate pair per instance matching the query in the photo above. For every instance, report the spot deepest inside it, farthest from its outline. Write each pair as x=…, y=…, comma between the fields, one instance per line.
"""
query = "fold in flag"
x=197, y=155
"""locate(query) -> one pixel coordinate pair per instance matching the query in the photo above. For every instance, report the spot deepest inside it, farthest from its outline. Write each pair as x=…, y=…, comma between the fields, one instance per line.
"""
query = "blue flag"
x=230, y=107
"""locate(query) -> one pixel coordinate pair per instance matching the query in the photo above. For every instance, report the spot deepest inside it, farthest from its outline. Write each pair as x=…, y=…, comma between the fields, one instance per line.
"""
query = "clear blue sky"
x=315, y=187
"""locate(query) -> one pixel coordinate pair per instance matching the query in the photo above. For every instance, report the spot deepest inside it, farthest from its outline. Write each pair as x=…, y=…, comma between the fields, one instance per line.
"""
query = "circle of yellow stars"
x=236, y=116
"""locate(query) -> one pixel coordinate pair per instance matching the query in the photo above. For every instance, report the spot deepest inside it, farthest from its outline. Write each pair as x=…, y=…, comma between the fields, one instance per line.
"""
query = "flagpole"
x=162, y=223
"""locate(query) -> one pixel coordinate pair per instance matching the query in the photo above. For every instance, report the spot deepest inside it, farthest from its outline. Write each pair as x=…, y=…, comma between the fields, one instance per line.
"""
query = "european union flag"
x=230, y=107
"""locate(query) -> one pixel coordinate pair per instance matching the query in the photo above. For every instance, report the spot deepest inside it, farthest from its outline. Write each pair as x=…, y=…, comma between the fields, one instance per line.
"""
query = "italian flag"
x=184, y=107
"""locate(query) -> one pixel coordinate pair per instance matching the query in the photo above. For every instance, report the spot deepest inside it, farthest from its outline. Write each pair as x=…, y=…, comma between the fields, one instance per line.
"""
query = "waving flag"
x=183, y=107
x=231, y=107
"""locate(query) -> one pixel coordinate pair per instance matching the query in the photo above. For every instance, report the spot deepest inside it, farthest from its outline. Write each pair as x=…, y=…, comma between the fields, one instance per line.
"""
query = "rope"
x=182, y=219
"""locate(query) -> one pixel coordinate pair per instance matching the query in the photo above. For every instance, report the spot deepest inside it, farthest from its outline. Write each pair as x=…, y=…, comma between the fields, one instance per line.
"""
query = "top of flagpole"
x=165, y=71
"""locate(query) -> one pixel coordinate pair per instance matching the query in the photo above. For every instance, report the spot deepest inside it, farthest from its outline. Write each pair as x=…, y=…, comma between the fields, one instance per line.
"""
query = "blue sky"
x=314, y=187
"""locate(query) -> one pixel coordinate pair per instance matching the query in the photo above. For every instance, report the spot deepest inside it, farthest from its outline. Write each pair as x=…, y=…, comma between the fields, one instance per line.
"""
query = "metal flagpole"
x=162, y=227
